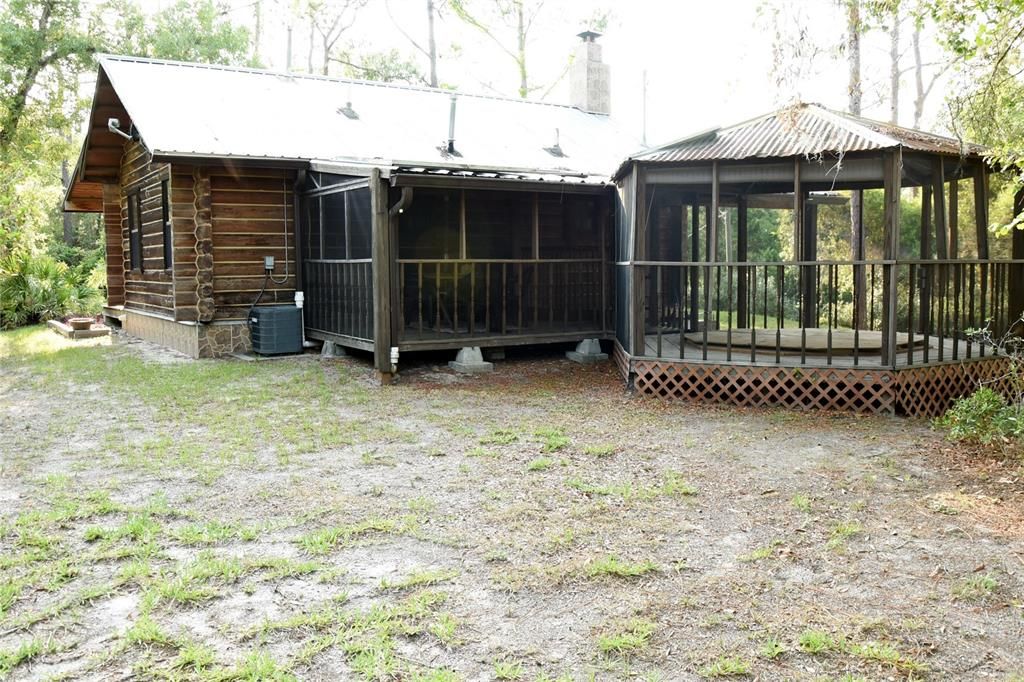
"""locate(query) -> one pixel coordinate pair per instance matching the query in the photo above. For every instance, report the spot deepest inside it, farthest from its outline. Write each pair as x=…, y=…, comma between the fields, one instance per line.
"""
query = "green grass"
x=326, y=539
x=420, y=579
x=612, y=566
x=146, y=631
x=508, y=670
x=552, y=439
x=673, y=484
x=444, y=629
x=540, y=464
x=631, y=639
x=801, y=502
x=841, y=533
x=771, y=649
x=23, y=653
x=500, y=437
x=599, y=450
x=816, y=642
x=726, y=666
x=975, y=588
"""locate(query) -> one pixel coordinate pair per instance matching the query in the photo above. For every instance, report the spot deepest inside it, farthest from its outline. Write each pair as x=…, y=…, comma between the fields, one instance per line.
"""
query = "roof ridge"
x=334, y=79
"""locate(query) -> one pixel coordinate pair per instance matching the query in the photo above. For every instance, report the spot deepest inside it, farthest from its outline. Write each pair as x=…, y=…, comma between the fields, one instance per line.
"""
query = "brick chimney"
x=590, y=78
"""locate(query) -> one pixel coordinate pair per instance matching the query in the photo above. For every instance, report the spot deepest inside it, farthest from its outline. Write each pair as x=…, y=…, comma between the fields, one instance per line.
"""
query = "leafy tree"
x=389, y=67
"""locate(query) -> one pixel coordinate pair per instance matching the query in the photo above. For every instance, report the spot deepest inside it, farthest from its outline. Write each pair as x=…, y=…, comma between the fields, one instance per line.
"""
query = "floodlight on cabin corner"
x=114, y=126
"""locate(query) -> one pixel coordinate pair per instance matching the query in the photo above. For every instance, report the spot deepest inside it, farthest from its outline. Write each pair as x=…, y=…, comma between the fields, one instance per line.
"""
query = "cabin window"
x=165, y=217
x=135, y=231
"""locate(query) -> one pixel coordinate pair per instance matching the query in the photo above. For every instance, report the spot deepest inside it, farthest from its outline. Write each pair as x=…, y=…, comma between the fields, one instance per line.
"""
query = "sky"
x=706, y=63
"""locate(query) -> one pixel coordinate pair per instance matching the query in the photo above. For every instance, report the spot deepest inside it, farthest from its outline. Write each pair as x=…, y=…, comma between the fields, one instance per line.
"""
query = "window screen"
x=135, y=231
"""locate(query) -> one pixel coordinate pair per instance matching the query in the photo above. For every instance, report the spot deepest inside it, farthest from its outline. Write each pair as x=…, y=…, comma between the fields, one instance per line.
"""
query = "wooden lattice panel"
x=621, y=360
x=930, y=391
x=858, y=390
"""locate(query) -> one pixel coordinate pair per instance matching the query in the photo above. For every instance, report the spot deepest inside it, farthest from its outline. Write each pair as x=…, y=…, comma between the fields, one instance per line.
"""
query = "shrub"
x=983, y=417
x=35, y=288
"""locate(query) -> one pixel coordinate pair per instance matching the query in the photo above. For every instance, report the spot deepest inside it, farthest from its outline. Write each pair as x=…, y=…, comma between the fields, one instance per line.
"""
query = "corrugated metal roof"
x=183, y=109
x=801, y=130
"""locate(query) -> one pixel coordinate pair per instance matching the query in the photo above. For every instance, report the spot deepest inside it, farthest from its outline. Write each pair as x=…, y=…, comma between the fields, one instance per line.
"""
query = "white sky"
x=707, y=62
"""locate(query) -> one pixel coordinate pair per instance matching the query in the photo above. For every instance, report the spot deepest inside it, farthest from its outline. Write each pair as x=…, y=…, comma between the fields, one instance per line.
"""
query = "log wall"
x=150, y=289
x=113, y=236
x=251, y=215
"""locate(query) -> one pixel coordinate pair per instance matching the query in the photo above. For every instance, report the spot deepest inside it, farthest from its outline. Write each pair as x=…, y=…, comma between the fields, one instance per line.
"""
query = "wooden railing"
x=874, y=313
x=339, y=297
x=458, y=301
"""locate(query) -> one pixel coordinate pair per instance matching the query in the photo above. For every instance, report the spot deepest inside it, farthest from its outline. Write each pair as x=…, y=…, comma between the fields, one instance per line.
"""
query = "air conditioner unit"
x=276, y=330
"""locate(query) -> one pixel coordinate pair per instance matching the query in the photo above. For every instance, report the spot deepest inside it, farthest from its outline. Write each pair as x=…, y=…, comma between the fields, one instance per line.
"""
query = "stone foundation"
x=194, y=340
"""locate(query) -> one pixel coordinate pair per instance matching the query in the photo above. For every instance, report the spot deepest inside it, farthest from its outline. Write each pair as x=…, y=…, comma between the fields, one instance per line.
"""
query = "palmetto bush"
x=34, y=288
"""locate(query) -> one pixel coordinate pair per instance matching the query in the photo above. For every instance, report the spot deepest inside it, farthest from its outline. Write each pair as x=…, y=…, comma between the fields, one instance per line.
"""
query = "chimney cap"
x=588, y=36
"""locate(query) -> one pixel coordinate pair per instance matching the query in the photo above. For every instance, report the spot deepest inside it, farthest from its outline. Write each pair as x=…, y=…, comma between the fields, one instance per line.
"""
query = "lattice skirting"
x=930, y=391
x=919, y=392
x=621, y=359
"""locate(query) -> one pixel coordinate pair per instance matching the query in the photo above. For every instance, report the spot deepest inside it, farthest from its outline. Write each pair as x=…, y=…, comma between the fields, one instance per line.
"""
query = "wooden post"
x=381, y=253
x=798, y=211
x=860, y=282
x=939, y=194
x=713, y=221
x=640, y=277
x=923, y=285
x=742, y=282
x=809, y=252
x=535, y=239
x=892, y=170
x=981, y=209
x=462, y=225
x=954, y=219
x=694, y=257
x=1016, y=294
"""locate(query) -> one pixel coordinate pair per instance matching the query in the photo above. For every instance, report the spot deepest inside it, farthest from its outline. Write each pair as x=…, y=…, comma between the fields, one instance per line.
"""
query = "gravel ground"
x=176, y=519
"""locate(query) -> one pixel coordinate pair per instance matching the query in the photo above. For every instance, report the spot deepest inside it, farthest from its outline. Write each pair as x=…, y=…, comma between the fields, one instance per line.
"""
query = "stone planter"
x=80, y=324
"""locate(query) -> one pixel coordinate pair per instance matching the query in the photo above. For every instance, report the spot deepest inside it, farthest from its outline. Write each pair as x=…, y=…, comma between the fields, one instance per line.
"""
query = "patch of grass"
x=761, y=552
x=842, y=532
x=326, y=539
x=801, y=502
x=611, y=565
x=419, y=579
x=23, y=653
x=540, y=464
x=975, y=588
x=726, y=666
x=212, y=532
x=771, y=649
x=599, y=450
x=816, y=642
x=194, y=657
x=500, y=437
x=9, y=591
x=258, y=665
x=444, y=629
x=508, y=670
x=673, y=485
x=552, y=439
x=633, y=638
x=480, y=451
x=147, y=631
x=886, y=654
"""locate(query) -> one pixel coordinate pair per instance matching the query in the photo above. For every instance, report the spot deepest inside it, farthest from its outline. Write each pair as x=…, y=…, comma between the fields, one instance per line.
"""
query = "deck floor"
x=868, y=345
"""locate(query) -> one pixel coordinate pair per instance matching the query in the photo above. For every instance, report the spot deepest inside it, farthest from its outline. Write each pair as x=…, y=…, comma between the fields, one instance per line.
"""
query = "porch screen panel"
x=337, y=266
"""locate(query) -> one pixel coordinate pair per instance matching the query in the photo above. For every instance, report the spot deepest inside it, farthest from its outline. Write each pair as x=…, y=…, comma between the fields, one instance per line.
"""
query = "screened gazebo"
x=813, y=259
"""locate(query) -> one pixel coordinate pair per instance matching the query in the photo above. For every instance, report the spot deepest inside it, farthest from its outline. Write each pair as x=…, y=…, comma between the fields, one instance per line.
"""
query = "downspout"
x=300, y=296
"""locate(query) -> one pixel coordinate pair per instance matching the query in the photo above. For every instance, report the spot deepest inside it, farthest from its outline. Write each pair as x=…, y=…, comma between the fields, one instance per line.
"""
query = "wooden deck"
x=763, y=346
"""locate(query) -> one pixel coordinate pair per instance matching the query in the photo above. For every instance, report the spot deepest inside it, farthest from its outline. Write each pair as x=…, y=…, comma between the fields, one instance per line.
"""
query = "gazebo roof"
x=802, y=130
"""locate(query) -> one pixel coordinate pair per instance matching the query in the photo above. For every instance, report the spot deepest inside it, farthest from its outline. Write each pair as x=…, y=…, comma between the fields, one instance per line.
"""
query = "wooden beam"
x=638, y=279
x=981, y=209
x=462, y=224
x=798, y=210
x=535, y=238
x=954, y=219
x=713, y=222
x=1016, y=294
x=939, y=194
x=891, y=170
x=742, y=282
x=381, y=249
x=809, y=252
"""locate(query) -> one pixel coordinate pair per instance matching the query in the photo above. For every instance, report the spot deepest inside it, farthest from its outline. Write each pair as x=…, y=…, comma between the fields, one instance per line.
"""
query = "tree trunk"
x=257, y=6
x=288, y=49
x=312, y=45
x=327, y=57
x=894, y=67
x=853, y=31
x=69, y=226
x=918, y=78
x=524, y=89
x=431, y=44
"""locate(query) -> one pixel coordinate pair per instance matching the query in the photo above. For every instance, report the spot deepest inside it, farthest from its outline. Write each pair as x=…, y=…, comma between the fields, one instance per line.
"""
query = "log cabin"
x=403, y=219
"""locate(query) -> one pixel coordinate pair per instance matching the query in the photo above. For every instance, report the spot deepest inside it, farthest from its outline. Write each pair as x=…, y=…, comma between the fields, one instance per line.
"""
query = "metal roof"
x=801, y=130
x=183, y=110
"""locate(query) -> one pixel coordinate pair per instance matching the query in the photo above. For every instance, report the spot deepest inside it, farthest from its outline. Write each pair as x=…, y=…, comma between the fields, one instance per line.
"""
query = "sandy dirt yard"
x=162, y=518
